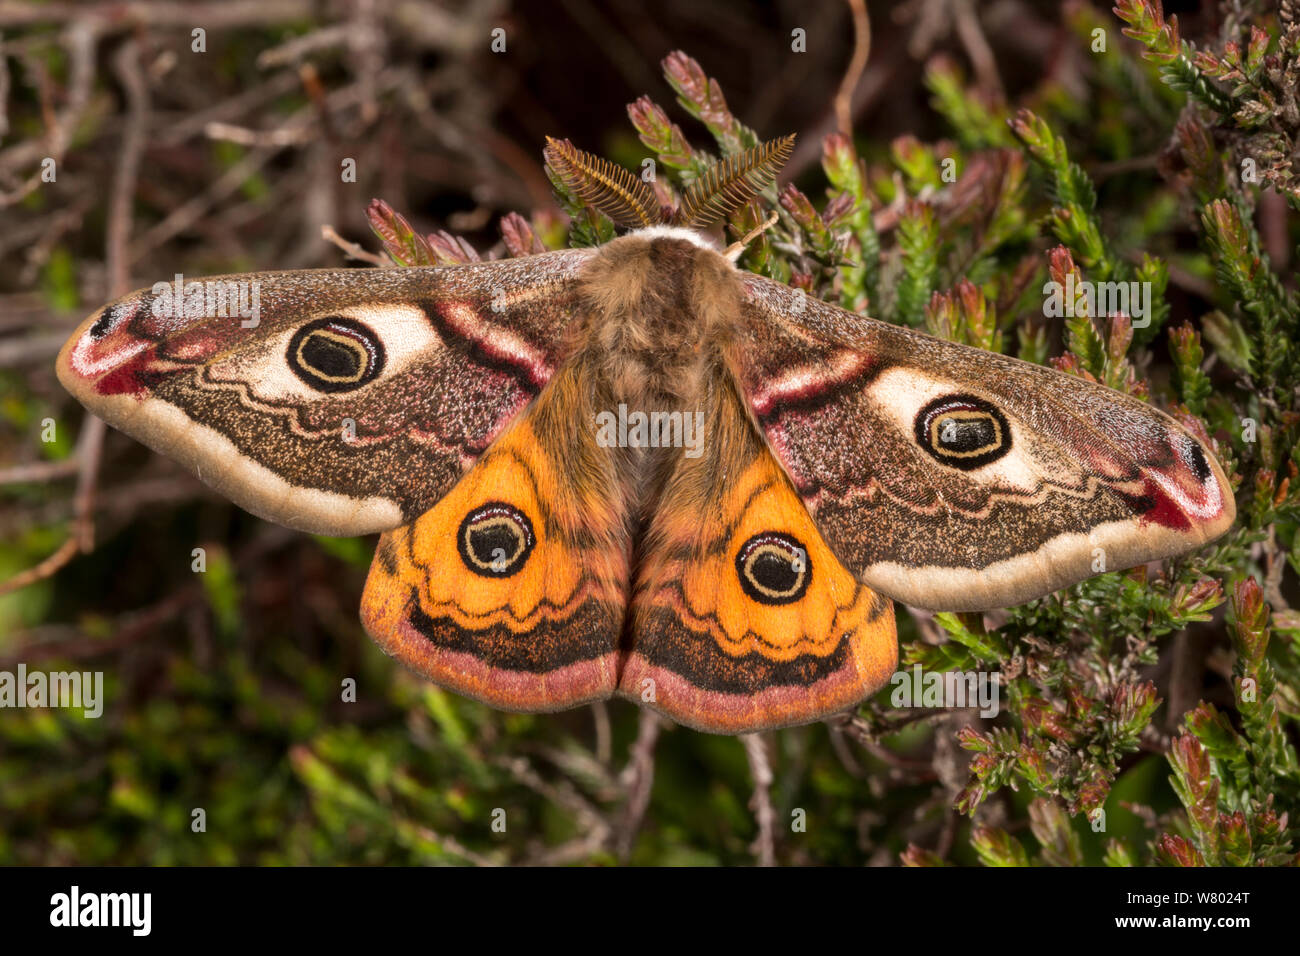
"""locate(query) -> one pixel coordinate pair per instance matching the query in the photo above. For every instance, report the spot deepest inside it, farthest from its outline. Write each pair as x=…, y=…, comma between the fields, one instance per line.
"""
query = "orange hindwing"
x=512, y=588
x=742, y=618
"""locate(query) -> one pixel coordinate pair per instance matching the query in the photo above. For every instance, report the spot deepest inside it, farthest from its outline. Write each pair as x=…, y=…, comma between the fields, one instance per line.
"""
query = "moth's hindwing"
x=957, y=479
x=742, y=619
x=335, y=401
x=511, y=590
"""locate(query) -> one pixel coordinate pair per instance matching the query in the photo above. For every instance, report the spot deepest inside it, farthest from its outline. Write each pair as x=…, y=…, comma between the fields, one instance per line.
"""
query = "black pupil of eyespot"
x=967, y=434
x=336, y=354
x=773, y=568
x=495, y=540
x=963, y=431
x=776, y=573
x=331, y=357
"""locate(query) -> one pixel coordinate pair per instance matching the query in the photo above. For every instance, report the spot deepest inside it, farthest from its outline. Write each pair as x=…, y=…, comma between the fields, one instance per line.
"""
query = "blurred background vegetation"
x=1165, y=697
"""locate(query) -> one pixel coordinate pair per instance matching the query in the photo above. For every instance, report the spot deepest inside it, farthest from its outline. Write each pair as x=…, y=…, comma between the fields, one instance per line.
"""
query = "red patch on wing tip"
x=123, y=380
x=136, y=376
x=1164, y=510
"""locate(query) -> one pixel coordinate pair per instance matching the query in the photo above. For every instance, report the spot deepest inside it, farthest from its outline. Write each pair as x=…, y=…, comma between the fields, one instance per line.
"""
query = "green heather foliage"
x=1148, y=716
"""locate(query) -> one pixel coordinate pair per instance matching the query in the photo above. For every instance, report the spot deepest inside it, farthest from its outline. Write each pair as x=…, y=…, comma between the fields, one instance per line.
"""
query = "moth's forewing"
x=957, y=479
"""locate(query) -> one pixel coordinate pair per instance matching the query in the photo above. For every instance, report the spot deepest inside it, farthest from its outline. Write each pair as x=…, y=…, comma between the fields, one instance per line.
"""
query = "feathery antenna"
x=613, y=190
x=732, y=182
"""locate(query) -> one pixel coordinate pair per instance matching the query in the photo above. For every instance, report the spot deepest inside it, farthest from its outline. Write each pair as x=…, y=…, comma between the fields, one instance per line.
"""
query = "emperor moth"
x=528, y=563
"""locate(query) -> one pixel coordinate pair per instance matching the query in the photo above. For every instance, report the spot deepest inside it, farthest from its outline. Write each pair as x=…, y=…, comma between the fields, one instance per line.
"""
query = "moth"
x=536, y=556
